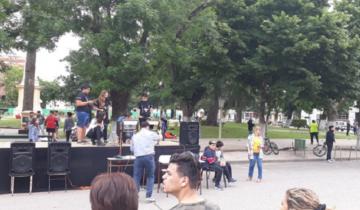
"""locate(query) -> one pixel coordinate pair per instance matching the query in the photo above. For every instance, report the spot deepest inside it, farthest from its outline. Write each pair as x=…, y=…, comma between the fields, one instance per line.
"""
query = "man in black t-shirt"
x=145, y=108
x=83, y=111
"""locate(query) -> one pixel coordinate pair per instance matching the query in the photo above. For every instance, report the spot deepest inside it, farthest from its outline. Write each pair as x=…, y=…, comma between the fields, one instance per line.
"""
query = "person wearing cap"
x=143, y=146
x=83, y=110
x=145, y=108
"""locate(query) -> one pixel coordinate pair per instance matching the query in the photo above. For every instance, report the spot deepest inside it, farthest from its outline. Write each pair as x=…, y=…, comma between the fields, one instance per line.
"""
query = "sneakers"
x=150, y=200
x=330, y=161
x=218, y=187
x=100, y=143
x=232, y=180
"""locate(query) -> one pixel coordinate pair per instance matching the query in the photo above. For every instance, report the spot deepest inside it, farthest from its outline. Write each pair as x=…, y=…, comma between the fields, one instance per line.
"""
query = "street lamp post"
x=221, y=106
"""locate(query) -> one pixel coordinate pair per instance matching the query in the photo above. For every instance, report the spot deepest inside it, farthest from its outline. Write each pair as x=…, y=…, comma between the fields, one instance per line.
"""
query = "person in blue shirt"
x=33, y=130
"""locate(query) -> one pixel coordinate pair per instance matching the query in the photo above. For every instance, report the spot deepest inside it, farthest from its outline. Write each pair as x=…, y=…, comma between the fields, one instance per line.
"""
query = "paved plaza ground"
x=337, y=184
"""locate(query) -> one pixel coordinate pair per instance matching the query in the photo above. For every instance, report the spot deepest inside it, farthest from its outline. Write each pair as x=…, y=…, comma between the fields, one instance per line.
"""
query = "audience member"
x=50, y=124
x=68, y=125
x=330, y=140
x=301, y=199
x=114, y=191
x=41, y=120
x=33, y=130
x=223, y=163
x=255, y=154
x=212, y=163
x=182, y=178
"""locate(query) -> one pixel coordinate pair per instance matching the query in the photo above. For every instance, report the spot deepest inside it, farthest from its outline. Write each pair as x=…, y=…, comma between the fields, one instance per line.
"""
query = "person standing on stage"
x=145, y=108
x=330, y=140
x=143, y=146
x=102, y=104
x=83, y=111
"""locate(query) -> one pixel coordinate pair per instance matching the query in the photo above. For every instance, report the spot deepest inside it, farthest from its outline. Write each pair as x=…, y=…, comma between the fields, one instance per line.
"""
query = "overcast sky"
x=48, y=64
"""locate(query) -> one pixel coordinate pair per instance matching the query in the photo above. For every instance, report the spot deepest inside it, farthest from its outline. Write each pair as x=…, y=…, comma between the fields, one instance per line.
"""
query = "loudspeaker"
x=59, y=156
x=22, y=155
x=189, y=133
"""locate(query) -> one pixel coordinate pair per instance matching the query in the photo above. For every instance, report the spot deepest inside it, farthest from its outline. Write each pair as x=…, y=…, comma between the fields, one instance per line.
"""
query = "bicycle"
x=270, y=147
x=320, y=150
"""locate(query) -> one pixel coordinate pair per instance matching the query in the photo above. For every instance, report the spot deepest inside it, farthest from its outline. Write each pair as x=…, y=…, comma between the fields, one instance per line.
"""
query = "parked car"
x=340, y=125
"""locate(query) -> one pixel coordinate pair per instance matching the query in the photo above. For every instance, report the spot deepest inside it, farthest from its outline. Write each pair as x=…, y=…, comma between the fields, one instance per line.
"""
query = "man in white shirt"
x=143, y=146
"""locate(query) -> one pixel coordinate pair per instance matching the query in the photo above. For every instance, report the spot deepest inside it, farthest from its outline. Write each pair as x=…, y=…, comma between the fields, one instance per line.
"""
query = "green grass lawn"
x=230, y=130
x=10, y=123
x=236, y=130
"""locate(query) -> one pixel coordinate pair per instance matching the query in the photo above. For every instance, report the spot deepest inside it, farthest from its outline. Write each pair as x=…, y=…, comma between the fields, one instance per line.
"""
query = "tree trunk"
x=188, y=110
x=332, y=113
x=120, y=101
x=238, y=114
x=29, y=82
x=212, y=114
x=262, y=113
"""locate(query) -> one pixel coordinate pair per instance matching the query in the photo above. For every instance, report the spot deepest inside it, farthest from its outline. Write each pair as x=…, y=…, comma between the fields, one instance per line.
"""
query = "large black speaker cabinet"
x=21, y=157
x=59, y=156
x=189, y=133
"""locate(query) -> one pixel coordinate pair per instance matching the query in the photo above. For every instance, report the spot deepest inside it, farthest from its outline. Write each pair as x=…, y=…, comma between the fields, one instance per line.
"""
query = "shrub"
x=299, y=123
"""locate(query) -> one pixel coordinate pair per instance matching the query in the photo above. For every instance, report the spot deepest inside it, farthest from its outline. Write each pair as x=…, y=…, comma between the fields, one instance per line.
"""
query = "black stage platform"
x=85, y=164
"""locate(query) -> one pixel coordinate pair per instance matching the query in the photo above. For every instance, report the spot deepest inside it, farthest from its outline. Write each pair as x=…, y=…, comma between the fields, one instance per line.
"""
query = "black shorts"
x=50, y=130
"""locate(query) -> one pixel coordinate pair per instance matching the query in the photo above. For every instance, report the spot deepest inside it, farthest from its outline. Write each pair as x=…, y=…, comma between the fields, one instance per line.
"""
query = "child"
x=51, y=123
x=224, y=164
x=33, y=130
x=68, y=125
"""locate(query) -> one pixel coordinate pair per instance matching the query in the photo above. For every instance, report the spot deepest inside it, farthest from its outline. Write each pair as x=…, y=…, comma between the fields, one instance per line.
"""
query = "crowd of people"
x=118, y=191
x=182, y=178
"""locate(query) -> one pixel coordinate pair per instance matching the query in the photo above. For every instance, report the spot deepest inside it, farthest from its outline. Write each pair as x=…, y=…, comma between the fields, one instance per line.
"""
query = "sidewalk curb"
x=289, y=161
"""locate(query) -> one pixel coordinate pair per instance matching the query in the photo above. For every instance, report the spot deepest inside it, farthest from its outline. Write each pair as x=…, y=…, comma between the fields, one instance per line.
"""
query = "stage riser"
x=85, y=164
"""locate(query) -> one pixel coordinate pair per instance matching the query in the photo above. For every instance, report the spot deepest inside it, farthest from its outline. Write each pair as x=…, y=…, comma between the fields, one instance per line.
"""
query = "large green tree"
x=190, y=49
x=114, y=48
x=12, y=77
x=268, y=48
x=38, y=24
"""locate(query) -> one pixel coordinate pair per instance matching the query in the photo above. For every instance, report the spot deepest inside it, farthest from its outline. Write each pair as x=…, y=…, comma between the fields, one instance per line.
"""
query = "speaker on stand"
x=22, y=162
x=189, y=133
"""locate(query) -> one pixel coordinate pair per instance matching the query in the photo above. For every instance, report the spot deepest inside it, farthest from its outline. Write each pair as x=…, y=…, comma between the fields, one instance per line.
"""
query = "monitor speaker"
x=58, y=156
x=189, y=133
x=22, y=157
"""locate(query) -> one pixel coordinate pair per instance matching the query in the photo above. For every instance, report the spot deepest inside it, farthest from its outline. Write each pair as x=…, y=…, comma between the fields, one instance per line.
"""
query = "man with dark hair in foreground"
x=182, y=179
